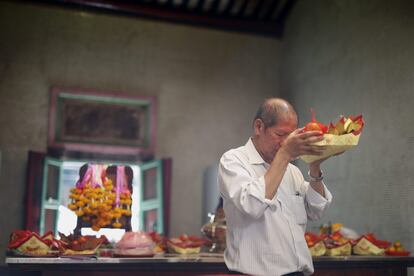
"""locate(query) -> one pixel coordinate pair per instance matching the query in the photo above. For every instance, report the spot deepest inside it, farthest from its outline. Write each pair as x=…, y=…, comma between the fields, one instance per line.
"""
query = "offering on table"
x=160, y=242
x=342, y=241
x=338, y=138
x=337, y=245
x=397, y=249
x=185, y=244
x=135, y=244
x=369, y=245
x=315, y=244
x=80, y=245
x=28, y=243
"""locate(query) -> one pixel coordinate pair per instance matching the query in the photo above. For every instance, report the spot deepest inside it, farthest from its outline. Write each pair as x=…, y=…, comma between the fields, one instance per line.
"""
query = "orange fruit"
x=312, y=126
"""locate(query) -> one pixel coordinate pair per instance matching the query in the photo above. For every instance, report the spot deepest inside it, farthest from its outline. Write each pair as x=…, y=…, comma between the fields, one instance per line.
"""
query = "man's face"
x=269, y=139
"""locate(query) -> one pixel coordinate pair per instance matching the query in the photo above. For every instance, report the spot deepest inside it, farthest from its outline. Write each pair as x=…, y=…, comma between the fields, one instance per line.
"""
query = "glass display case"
x=60, y=176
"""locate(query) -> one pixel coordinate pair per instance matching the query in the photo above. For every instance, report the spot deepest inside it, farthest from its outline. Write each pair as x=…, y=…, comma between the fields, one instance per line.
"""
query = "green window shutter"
x=49, y=208
x=151, y=197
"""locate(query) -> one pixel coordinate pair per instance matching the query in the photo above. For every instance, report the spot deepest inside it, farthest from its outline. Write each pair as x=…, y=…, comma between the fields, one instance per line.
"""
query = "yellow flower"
x=79, y=213
x=116, y=225
x=87, y=210
x=76, y=191
x=128, y=201
x=80, y=203
x=117, y=215
x=95, y=227
x=74, y=196
x=84, y=199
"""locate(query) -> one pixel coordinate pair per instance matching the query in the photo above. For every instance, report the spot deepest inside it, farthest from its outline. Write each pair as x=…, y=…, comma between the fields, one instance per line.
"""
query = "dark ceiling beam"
x=215, y=6
x=184, y=4
x=271, y=9
x=243, y=8
x=199, y=6
x=169, y=3
x=228, y=7
x=283, y=14
x=179, y=15
x=256, y=12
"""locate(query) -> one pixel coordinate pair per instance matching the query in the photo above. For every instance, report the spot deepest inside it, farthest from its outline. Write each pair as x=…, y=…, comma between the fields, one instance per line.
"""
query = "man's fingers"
x=314, y=139
x=302, y=129
x=313, y=133
x=313, y=150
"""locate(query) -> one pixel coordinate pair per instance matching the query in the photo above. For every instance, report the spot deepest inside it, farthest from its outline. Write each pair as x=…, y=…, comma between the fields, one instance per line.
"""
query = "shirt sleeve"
x=236, y=184
x=316, y=204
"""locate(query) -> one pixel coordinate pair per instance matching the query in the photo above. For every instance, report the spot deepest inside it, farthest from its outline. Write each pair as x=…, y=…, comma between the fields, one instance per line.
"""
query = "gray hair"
x=273, y=108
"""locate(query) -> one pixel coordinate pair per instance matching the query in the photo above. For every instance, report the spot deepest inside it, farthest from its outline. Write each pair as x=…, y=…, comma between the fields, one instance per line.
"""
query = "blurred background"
x=208, y=77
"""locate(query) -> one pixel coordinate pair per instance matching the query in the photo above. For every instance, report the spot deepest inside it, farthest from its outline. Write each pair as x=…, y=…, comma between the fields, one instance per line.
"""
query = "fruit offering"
x=349, y=125
x=315, y=244
x=160, y=242
x=28, y=243
x=135, y=244
x=80, y=245
x=337, y=245
x=99, y=201
x=397, y=249
x=185, y=244
x=342, y=241
x=366, y=245
x=337, y=137
x=343, y=126
x=315, y=125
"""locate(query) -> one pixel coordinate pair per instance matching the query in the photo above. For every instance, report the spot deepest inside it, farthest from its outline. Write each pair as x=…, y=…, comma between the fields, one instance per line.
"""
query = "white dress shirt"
x=266, y=237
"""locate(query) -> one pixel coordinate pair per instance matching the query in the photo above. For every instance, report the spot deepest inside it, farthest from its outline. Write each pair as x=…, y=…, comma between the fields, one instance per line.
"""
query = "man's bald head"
x=273, y=109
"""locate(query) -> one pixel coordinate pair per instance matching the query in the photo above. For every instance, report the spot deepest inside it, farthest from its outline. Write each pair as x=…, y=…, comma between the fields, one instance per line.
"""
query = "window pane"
x=150, y=184
x=70, y=174
x=50, y=220
x=150, y=220
x=52, y=182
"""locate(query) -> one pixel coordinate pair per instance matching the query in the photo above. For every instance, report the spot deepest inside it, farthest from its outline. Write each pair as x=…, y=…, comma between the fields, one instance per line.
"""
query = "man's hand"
x=300, y=143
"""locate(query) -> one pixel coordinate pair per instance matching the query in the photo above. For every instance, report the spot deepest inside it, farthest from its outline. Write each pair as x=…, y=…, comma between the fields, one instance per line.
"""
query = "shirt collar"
x=253, y=154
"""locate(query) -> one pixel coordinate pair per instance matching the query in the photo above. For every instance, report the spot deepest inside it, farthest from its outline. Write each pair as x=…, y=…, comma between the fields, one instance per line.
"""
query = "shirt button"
x=273, y=207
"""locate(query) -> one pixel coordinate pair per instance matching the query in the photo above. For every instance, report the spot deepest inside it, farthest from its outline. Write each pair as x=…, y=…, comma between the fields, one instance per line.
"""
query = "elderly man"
x=267, y=200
